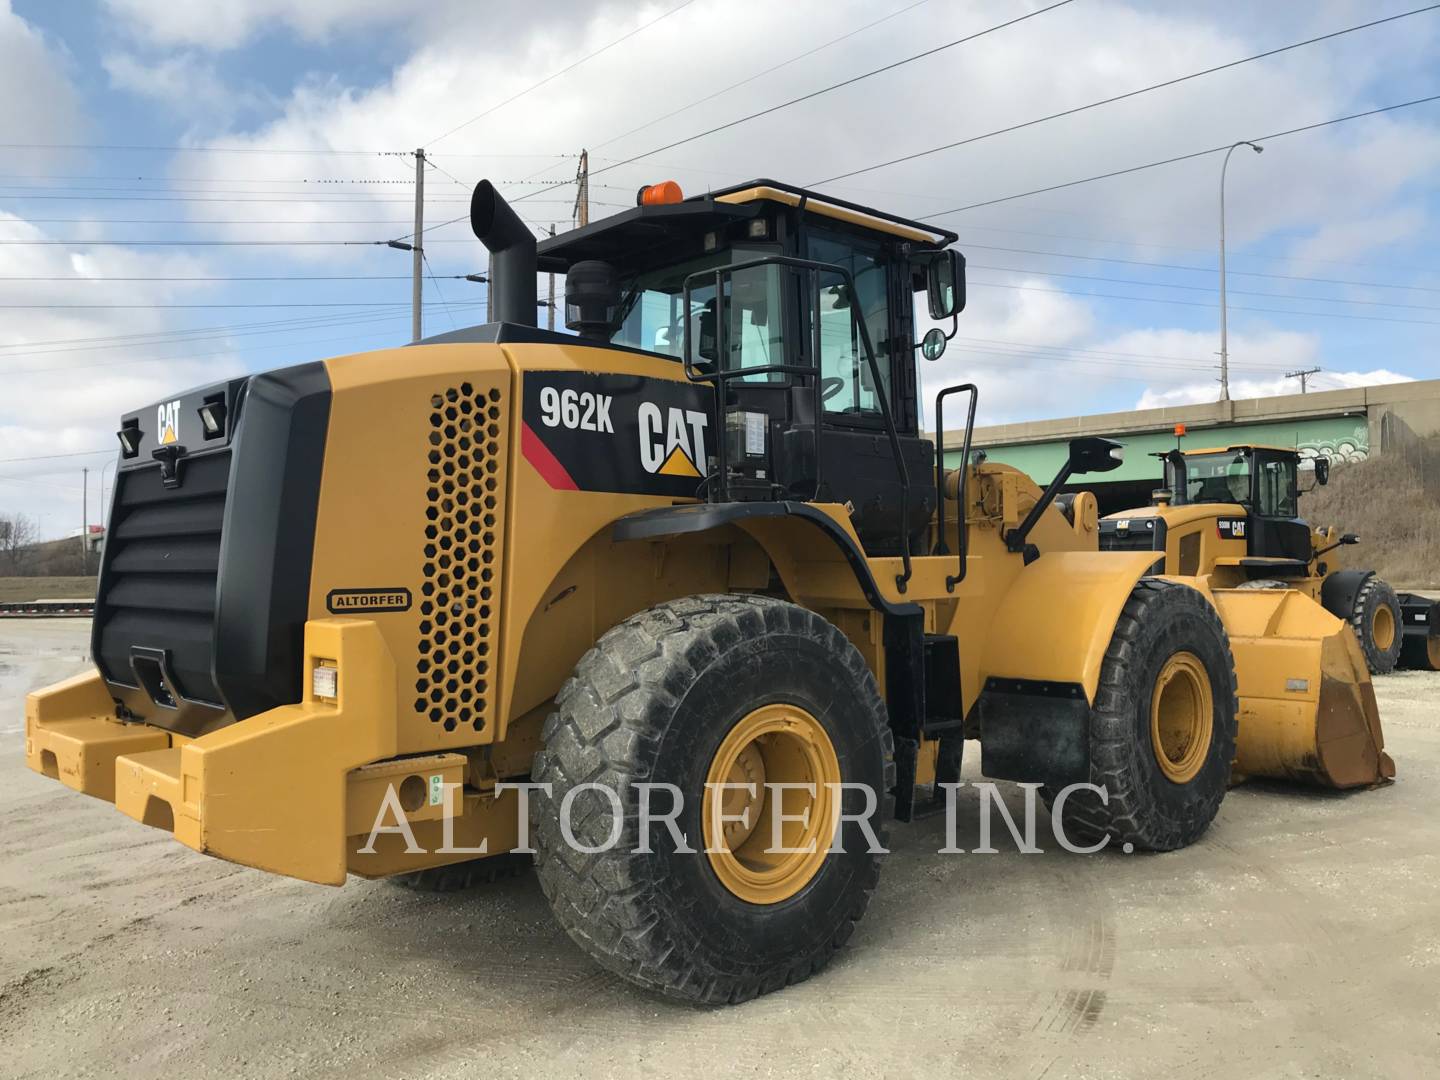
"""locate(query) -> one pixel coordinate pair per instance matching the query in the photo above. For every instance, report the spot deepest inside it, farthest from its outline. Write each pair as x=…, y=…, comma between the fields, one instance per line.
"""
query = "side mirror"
x=1350, y=538
x=932, y=345
x=1092, y=455
x=1322, y=471
x=945, y=283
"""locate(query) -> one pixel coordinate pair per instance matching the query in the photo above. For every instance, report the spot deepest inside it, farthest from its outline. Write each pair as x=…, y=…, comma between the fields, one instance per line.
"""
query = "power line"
x=169, y=307
x=310, y=151
x=1182, y=157
x=1195, y=303
x=46, y=457
x=1125, y=96
x=762, y=74
x=1199, y=269
x=794, y=101
x=1204, y=288
x=555, y=75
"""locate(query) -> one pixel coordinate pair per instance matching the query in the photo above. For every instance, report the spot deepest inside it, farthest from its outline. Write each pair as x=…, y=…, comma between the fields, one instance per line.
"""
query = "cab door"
x=857, y=464
x=1276, y=530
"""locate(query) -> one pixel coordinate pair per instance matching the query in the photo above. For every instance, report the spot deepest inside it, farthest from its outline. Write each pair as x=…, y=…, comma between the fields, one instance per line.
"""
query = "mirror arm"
x=1015, y=538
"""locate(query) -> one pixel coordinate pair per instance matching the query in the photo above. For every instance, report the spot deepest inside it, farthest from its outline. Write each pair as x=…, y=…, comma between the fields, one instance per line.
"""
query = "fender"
x=701, y=517
x=1081, y=595
x=1338, y=593
x=1041, y=665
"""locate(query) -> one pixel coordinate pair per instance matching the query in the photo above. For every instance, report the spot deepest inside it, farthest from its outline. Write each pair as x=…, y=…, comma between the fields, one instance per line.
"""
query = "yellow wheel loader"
x=1232, y=513
x=682, y=602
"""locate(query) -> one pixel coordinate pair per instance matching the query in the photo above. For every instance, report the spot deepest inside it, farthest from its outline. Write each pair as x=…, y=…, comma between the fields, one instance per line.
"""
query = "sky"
x=193, y=191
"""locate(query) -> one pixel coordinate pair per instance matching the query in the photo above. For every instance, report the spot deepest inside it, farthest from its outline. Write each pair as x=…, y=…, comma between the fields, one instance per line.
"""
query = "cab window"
x=651, y=301
x=1217, y=478
x=848, y=386
x=1277, y=484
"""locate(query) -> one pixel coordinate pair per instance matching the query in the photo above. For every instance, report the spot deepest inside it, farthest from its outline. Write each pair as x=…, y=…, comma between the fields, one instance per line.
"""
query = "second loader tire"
x=1376, y=622
x=736, y=686
x=1163, y=725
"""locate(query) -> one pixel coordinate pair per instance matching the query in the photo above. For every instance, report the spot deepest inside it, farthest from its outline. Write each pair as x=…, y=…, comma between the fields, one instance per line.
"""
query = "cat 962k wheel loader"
x=696, y=553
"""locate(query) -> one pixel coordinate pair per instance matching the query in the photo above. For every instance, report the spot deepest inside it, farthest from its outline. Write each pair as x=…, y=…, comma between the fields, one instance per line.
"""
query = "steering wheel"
x=831, y=385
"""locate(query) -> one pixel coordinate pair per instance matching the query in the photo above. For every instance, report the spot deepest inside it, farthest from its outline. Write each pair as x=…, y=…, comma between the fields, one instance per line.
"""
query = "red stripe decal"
x=546, y=463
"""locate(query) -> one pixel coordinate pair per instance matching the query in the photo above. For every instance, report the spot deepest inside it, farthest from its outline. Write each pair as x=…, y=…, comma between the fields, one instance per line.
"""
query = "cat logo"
x=167, y=422
x=672, y=443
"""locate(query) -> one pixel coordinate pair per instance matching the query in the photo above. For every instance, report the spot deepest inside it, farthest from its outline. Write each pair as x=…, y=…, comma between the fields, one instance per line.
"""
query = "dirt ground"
x=1300, y=937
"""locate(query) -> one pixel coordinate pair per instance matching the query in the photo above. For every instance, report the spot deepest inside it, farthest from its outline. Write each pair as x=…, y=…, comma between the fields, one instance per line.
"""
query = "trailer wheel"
x=471, y=874
x=1162, y=730
x=1375, y=619
x=704, y=690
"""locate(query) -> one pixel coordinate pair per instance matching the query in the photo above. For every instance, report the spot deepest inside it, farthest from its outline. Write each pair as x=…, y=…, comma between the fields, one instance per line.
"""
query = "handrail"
x=723, y=375
x=941, y=548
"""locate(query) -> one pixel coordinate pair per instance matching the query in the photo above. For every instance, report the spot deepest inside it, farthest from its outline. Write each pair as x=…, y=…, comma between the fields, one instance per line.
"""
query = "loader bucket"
x=1307, y=706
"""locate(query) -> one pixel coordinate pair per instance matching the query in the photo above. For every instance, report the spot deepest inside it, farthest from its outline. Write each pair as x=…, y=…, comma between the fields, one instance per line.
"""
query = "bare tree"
x=18, y=535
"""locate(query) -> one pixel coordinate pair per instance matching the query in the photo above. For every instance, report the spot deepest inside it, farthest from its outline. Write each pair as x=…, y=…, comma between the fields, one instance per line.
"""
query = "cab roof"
x=644, y=226
x=1242, y=447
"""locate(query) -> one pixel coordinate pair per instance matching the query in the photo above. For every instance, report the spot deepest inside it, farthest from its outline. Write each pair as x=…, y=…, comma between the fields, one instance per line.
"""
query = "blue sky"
x=1071, y=309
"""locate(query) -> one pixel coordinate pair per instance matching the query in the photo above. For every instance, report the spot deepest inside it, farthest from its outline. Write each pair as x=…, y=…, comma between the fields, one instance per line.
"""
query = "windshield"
x=1217, y=478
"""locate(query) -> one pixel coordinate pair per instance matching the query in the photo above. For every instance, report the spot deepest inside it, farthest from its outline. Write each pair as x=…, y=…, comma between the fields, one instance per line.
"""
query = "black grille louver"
x=158, y=585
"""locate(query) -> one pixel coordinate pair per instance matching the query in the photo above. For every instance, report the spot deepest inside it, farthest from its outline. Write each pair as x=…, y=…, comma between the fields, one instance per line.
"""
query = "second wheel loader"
x=691, y=576
x=1232, y=514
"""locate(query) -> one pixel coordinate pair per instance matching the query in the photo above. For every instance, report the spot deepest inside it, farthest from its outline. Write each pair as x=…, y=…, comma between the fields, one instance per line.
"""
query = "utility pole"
x=550, y=315
x=582, y=190
x=84, y=521
x=1224, y=334
x=489, y=294
x=418, y=254
x=1302, y=376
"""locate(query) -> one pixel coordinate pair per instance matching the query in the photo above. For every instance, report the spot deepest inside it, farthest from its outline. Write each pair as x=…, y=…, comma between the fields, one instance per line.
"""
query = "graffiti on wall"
x=1340, y=449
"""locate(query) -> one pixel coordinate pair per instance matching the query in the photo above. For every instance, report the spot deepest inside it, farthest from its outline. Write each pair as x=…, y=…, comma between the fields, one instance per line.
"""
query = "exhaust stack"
x=512, y=254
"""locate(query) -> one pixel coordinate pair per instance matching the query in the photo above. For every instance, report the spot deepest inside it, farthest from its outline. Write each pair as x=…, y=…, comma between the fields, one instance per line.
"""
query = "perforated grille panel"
x=463, y=529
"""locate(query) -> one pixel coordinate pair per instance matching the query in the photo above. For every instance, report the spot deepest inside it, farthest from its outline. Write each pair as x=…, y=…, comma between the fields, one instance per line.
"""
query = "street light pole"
x=1224, y=330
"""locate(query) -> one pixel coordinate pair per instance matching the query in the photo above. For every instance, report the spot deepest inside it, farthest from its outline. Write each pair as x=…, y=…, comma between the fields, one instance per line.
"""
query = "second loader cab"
x=1262, y=482
x=800, y=310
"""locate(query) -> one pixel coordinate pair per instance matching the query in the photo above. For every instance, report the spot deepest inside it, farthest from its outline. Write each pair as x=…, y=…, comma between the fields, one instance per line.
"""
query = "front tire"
x=689, y=690
x=1376, y=621
x=1162, y=729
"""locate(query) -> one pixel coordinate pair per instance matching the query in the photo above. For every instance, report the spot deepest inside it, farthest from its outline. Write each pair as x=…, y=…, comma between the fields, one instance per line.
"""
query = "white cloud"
x=182, y=82
x=38, y=104
x=69, y=372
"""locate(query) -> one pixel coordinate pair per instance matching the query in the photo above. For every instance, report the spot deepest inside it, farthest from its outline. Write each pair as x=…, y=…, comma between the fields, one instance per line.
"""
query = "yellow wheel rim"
x=774, y=745
x=1382, y=628
x=1182, y=717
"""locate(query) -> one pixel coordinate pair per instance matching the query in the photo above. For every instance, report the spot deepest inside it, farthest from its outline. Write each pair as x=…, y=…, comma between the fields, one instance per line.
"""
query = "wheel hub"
x=1182, y=717
x=773, y=772
x=1382, y=628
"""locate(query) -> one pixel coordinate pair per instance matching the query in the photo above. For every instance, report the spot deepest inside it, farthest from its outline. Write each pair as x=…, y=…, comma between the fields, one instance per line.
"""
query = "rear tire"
x=1376, y=621
x=659, y=699
x=1162, y=729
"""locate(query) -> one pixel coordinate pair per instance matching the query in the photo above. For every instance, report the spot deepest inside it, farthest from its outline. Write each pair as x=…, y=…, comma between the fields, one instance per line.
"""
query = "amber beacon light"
x=667, y=191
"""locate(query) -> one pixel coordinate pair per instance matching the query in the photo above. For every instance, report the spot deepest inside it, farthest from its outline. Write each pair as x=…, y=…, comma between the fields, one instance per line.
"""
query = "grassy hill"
x=46, y=588
x=1386, y=501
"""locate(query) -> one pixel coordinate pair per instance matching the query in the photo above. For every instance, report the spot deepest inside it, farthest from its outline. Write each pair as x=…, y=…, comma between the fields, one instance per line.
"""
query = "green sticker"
x=437, y=790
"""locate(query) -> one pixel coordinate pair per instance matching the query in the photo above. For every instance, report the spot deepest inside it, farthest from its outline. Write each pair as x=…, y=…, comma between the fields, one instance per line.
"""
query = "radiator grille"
x=464, y=496
x=161, y=564
x=1141, y=536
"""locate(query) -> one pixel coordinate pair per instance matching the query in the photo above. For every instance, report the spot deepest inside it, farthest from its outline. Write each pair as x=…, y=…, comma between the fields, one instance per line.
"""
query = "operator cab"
x=797, y=306
x=1263, y=480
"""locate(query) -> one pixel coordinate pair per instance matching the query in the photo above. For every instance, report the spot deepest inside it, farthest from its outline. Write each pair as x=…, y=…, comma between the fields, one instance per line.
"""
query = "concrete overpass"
x=1344, y=425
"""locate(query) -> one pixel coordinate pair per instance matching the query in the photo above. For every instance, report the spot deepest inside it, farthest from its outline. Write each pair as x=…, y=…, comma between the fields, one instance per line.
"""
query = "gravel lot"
x=1300, y=937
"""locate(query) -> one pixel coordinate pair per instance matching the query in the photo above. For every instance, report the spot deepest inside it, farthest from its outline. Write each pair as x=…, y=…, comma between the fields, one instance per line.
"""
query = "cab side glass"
x=945, y=283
